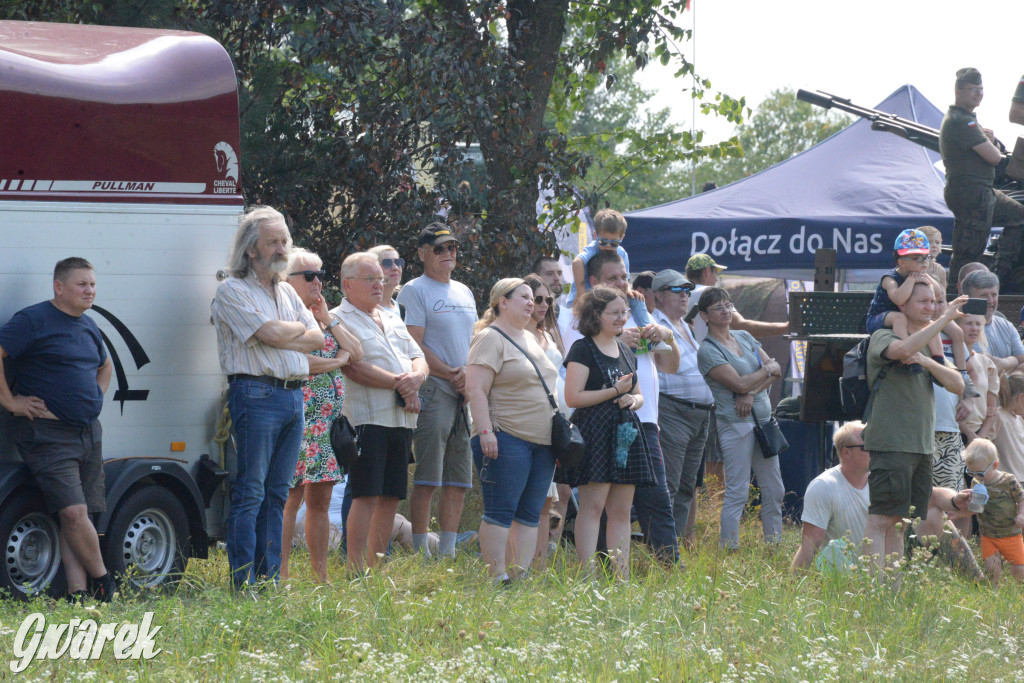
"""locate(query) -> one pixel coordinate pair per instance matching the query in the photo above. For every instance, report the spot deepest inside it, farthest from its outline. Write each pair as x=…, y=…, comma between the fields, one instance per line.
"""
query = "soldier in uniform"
x=970, y=157
x=1017, y=104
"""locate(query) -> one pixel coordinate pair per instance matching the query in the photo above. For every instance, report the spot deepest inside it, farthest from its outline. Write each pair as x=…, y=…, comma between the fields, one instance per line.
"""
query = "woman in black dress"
x=600, y=383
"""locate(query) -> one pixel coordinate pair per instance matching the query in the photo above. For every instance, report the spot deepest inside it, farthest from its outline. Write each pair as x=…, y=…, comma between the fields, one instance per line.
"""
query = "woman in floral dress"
x=317, y=469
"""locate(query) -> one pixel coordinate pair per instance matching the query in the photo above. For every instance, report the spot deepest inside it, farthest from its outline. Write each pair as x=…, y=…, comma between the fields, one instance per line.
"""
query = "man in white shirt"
x=685, y=404
x=836, y=510
x=652, y=503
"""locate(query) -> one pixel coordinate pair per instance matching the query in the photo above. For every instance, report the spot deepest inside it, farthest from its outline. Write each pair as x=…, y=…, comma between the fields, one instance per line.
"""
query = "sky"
x=862, y=51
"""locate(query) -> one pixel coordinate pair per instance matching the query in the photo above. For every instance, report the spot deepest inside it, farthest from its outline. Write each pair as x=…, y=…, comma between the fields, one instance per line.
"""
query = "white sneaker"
x=660, y=347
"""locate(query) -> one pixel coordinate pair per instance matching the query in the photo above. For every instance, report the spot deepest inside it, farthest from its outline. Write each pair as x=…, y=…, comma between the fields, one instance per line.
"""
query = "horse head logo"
x=227, y=161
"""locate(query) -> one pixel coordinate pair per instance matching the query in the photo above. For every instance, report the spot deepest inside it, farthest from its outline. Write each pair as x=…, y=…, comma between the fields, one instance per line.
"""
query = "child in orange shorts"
x=1001, y=521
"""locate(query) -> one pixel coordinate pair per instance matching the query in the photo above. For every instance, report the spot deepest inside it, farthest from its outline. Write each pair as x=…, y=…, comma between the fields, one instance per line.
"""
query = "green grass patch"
x=727, y=616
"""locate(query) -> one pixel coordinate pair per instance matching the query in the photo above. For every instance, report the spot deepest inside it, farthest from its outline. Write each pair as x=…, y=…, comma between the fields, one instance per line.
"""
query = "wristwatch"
x=334, y=321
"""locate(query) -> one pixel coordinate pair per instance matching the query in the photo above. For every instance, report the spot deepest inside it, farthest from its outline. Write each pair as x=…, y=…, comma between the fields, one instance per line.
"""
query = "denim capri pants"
x=514, y=484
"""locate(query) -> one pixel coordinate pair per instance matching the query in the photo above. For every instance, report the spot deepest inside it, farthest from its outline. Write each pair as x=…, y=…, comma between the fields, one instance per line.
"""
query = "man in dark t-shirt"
x=970, y=157
x=60, y=371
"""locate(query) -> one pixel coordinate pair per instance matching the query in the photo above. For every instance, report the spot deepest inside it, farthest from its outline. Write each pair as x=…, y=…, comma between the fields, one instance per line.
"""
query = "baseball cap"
x=671, y=278
x=702, y=261
x=912, y=241
x=435, y=234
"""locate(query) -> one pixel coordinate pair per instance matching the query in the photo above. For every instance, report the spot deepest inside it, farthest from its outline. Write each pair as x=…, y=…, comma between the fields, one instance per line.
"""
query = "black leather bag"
x=769, y=436
x=566, y=439
x=344, y=442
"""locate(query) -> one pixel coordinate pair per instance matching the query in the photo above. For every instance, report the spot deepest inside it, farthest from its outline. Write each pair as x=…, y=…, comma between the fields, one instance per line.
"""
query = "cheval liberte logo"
x=82, y=639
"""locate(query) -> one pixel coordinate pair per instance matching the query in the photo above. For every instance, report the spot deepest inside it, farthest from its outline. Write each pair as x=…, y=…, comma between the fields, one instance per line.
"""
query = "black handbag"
x=566, y=440
x=344, y=442
x=769, y=436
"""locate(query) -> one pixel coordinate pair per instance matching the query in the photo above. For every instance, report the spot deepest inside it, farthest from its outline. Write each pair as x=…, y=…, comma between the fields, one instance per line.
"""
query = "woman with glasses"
x=739, y=373
x=392, y=265
x=543, y=327
x=511, y=438
x=600, y=383
x=317, y=471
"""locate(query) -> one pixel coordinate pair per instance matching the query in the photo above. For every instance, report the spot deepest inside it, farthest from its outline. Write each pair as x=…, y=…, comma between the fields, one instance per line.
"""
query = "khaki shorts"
x=898, y=482
x=441, y=439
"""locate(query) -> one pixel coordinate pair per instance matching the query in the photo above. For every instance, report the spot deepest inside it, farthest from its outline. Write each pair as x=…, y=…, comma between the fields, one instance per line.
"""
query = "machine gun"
x=921, y=134
x=918, y=133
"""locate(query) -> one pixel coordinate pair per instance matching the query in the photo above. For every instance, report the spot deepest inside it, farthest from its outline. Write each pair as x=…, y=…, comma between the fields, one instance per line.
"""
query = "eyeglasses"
x=917, y=259
x=980, y=475
x=309, y=274
x=389, y=263
x=616, y=314
x=677, y=289
x=450, y=248
x=604, y=242
x=371, y=280
x=722, y=309
x=543, y=299
x=858, y=446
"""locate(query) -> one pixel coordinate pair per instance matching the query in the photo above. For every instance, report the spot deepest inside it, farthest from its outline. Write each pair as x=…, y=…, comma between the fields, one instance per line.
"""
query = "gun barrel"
x=921, y=134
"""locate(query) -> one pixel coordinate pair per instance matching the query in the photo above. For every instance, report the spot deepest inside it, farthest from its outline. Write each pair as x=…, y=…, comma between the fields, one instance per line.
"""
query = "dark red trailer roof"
x=97, y=113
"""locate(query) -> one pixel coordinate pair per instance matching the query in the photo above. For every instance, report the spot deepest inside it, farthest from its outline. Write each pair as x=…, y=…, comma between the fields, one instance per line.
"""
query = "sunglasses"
x=542, y=299
x=450, y=248
x=604, y=242
x=389, y=263
x=678, y=289
x=980, y=475
x=310, y=275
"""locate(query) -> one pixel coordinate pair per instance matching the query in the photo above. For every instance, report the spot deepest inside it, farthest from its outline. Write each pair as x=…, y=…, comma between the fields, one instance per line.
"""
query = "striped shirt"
x=392, y=349
x=687, y=383
x=242, y=306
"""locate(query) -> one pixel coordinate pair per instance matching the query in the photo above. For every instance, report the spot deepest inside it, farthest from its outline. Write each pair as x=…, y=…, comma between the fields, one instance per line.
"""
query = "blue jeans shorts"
x=514, y=484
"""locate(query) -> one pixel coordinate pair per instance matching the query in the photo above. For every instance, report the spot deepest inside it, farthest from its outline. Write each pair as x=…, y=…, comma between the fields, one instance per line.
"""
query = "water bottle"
x=979, y=496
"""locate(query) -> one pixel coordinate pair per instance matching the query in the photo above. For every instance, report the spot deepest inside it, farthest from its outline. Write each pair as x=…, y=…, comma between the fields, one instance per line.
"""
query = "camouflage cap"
x=702, y=261
x=968, y=74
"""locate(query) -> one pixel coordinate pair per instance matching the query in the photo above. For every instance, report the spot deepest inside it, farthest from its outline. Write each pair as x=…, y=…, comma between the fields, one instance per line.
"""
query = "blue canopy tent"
x=853, y=192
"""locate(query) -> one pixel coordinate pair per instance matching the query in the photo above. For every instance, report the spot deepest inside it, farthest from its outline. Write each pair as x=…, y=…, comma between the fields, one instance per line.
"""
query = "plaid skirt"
x=599, y=425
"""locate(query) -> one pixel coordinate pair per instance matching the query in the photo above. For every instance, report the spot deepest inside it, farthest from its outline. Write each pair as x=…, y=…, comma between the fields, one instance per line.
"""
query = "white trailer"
x=121, y=146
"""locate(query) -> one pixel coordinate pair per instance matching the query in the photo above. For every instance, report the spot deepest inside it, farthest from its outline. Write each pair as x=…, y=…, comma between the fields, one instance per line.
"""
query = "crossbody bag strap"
x=624, y=351
x=551, y=399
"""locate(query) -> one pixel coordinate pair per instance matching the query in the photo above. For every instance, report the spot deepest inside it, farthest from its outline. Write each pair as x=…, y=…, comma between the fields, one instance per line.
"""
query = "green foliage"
x=782, y=127
x=355, y=116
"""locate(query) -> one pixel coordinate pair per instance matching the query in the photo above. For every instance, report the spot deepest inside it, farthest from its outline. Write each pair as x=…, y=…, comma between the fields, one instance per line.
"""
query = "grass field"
x=738, y=616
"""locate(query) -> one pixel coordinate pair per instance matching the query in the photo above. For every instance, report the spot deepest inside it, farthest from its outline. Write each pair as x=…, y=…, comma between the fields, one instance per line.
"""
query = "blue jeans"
x=514, y=484
x=268, y=424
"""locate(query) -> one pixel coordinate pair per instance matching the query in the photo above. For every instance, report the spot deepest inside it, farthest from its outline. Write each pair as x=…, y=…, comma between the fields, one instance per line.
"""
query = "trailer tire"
x=147, y=538
x=31, y=539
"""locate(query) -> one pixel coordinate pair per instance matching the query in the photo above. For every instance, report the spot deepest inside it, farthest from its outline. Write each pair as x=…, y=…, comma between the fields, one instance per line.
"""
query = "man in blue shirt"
x=60, y=371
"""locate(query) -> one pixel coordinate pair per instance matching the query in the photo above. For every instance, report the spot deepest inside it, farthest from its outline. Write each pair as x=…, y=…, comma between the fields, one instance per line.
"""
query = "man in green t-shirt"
x=970, y=157
x=900, y=431
x=1017, y=104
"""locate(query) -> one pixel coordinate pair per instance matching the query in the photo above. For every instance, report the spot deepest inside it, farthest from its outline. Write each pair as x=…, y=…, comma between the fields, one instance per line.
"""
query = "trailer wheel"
x=146, y=538
x=31, y=559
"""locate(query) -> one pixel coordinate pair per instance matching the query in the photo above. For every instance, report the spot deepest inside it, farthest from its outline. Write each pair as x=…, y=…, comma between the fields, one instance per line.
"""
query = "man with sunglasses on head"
x=835, y=512
x=264, y=332
x=971, y=157
x=685, y=404
x=440, y=313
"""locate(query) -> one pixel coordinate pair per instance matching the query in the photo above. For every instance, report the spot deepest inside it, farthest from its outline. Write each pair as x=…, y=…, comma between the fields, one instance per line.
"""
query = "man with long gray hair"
x=263, y=335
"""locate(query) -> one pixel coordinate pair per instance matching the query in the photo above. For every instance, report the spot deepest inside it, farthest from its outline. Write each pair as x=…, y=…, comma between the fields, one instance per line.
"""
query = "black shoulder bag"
x=566, y=440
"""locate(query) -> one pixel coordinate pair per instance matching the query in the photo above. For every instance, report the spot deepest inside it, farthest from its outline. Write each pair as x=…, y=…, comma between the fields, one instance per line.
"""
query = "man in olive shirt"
x=970, y=158
x=900, y=427
x=1017, y=104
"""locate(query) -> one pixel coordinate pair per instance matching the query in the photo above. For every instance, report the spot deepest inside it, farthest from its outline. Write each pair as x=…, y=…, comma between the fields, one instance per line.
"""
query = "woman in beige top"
x=511, y=438
x=982, y=418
